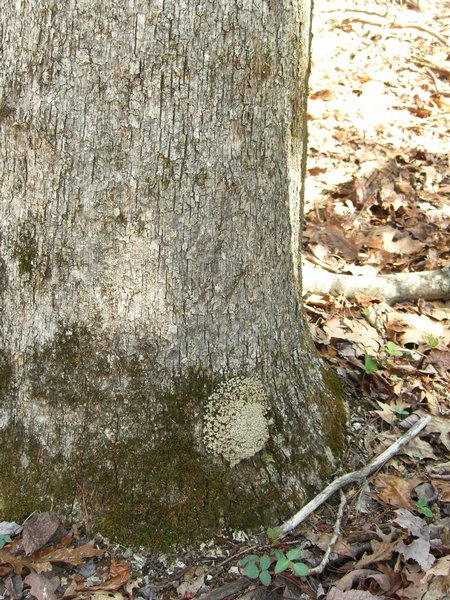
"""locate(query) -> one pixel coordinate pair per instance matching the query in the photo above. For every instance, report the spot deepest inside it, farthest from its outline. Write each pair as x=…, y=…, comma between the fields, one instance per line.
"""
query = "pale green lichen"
x=235, y=423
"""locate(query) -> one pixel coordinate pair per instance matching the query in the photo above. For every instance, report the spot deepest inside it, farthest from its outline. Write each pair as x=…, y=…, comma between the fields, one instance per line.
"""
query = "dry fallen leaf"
x=394, y=490
x=440, y=425
x=335, y=594
x=42, y=587
x=341, y=547
x=72, y=556
x=443, y=488
x=417, y=329
x=380, y=551
x=358, y=331
x=39, y=530
x=194, y=580
x=418, y=550
x=440, y=568
x=118, y=576
x=360, y=575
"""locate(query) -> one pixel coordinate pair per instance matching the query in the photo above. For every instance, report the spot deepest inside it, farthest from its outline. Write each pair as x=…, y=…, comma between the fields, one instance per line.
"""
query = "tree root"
x=392, y=288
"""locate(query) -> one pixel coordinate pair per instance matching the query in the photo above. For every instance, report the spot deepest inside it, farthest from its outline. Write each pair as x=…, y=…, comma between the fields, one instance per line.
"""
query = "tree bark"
x=155, y=369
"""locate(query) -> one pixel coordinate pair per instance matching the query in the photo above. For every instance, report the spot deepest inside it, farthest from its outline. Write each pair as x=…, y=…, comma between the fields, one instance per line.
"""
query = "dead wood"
x=353, y=477
x=392, y=288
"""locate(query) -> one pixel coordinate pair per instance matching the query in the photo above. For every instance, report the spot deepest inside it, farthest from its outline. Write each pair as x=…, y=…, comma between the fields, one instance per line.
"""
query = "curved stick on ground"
x=392, y=288
x=336, y=531
x=352, y=477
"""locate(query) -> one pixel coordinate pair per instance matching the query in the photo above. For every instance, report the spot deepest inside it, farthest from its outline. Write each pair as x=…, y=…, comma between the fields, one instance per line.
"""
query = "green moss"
x=333, y=405
x=29, y=259
x=139, y=486
x=26, y=249
x=5, y=376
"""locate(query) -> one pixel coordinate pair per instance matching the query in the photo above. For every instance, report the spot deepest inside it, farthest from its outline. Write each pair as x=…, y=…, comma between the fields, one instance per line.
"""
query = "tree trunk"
x=155, y=369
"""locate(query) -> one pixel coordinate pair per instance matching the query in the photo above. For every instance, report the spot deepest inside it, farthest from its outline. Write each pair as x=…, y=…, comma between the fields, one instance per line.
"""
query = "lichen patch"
x=235, y=422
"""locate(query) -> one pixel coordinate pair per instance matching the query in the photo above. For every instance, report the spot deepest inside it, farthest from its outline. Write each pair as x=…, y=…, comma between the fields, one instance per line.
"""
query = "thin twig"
x=336, y=531
x=354, y=476
x=384, y=22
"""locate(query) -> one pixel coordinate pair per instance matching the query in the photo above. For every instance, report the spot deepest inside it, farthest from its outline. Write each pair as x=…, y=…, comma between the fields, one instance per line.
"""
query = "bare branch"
x=354, y=476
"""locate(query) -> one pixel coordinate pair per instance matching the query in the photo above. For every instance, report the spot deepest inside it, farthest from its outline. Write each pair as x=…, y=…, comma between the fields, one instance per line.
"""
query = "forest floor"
x=377, y=201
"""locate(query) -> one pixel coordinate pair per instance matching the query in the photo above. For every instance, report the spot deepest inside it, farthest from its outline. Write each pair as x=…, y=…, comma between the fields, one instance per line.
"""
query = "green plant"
x=392, y=349
x=370, y=366
x=423, y=508
x=4, y=539
x=274, y=534
x=432, y=342
x=259, y=567
x=399, y=410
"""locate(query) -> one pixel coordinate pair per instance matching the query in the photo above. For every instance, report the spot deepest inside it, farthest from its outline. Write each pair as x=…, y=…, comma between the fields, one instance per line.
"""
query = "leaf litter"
x=377, y=201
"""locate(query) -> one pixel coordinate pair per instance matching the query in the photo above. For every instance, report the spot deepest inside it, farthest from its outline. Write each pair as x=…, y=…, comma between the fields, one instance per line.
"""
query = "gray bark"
x=153, y=353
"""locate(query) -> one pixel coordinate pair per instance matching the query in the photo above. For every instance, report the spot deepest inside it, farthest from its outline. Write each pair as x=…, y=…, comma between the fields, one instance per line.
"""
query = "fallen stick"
x=352, y=477
x=392, y=288
x=336, y=531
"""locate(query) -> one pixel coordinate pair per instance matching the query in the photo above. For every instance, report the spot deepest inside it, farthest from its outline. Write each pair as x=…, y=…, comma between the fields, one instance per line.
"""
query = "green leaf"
x=399, y=410
x=265, y=578
x=250, y=558
x=392, y=349
x=294, y=554
x=265, y=562
x=281, y=565
x=300, y=569
x=370, y=366
x=426, y=511
x=432, y=342
x=422, y=502
x=273, y=533
x=251, y=570
x=279, y=554
x=4, y=539
x=367, y=312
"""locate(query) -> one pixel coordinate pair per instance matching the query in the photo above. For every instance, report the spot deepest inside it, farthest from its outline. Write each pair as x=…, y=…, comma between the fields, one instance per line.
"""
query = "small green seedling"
x=432, y=342
x=274, y=534
x=423, y=508
x=4, y=539
x=399, y=410
x=258, y=567
x=370, y=366
x=392, y=349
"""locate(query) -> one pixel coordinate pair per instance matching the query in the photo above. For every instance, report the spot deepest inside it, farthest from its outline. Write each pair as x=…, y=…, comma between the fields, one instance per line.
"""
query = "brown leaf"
x=72, y=556
x=395, y=491
x=415, y=525
x=17, y=562
x=335, y=594
x=14, y=587
x=358, y=331
x=42, y=588
x=321, y=95
x=419, y=551
x=439, y=359
x=119, y=574
x=392, y=240
x=443, y=488
x=360, y=575
x=440, y=425
x=381, y=551
x=341, y=547
x=39, y=530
